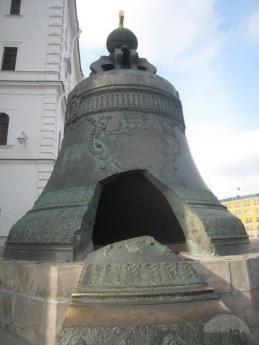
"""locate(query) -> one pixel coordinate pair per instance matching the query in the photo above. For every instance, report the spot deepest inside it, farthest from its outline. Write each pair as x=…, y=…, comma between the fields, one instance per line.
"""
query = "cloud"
x=227, y=159
x=253, y=26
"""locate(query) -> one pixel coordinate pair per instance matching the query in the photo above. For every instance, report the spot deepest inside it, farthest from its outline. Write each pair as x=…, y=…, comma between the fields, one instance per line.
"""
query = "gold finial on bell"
x=121, y=15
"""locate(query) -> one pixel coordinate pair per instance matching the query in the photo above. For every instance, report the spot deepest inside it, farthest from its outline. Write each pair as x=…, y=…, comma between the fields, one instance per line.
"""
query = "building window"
x=9, y=58
x=4, y=123
x=15, y=7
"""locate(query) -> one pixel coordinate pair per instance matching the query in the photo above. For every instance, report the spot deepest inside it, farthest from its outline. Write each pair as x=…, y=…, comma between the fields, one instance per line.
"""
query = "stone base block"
x=9, y=339
x=236, y=280
x=34, y=296
x=2, y=244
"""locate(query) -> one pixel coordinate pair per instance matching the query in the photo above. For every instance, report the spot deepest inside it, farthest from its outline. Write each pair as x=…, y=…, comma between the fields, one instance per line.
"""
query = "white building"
x=40, y=64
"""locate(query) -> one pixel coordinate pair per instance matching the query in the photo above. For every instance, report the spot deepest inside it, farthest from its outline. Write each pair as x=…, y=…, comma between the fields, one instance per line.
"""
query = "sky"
x=209, y=51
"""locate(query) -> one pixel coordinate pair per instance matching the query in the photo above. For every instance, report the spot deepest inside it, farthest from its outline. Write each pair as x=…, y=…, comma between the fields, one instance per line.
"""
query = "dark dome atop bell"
x=119, y=37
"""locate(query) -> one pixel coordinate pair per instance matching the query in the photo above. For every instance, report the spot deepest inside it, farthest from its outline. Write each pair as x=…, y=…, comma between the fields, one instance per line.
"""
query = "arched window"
x=4, y=122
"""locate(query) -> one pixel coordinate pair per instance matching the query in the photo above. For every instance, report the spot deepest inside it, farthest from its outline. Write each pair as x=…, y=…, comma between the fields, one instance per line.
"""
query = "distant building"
x=39, y=65
x=246, y=208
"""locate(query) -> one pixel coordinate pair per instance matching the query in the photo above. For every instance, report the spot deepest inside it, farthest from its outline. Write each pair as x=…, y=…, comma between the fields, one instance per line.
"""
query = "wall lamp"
x=22, y=138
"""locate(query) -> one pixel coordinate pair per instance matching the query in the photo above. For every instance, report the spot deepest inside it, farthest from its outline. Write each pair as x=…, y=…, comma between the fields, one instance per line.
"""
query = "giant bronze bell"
x=124, y=170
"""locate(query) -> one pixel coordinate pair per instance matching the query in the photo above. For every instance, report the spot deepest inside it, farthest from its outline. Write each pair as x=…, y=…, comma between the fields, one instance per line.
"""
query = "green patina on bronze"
x=124, y=122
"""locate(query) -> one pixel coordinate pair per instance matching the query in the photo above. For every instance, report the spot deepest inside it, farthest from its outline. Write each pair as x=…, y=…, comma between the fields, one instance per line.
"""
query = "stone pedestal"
x=34, y=296
x=236, y=280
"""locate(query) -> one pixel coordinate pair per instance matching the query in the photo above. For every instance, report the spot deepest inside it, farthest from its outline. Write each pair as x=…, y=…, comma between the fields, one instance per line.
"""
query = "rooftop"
x=240, y=197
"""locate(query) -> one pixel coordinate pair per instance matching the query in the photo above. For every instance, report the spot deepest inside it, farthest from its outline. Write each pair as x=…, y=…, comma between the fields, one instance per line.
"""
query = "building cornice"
x=29, y=75
x=34, y=83
x=28, y=160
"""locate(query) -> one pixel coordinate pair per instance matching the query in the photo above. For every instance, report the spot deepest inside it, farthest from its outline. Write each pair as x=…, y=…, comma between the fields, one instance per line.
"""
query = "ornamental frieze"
x=135, y=100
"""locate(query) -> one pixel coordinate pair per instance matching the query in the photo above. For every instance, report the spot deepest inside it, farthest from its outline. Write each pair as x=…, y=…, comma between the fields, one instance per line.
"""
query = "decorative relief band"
x=185, y=333
x=129, y=100
x=137, y=275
